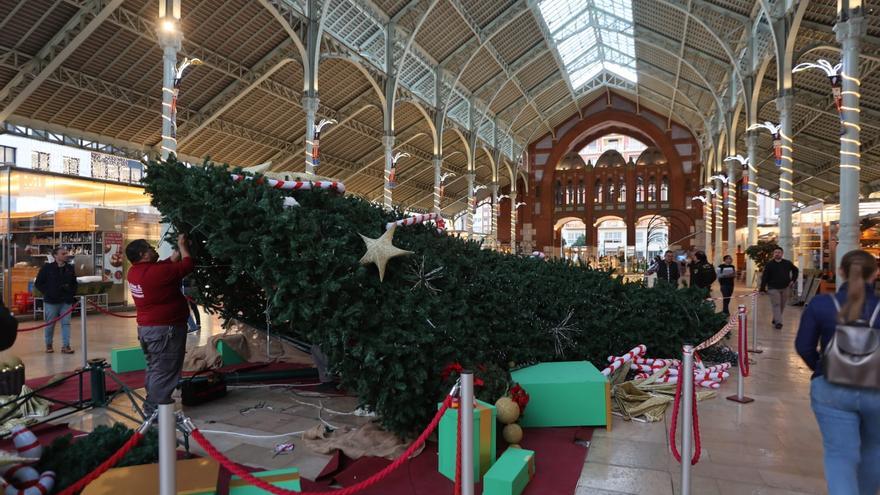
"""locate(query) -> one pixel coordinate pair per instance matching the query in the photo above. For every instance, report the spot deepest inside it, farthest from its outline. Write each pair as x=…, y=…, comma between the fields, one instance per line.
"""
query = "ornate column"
x=752, y=191
x=310, y=106
x=471, y=204
x=494, y=228
x=513, y=222
x=849, y=29
x=784, y=103
x=718, y=248
x=438, y=162
x=388, y=142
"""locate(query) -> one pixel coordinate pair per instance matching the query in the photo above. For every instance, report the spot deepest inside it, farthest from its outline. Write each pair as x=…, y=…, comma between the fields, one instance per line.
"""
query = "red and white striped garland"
x=617, y=362
x=295, y=185
x=419, y=218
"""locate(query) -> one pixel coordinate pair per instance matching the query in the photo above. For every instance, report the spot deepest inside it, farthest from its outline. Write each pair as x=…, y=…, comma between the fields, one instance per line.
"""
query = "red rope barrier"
x=108, y=312
x=698, y=448
x=457, y=486
x=251, y=479
x=50, y=322
x=743, y=343
x=104, y=466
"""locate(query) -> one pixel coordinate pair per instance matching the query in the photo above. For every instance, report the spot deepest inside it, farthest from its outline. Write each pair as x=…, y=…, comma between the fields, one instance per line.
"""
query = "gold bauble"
x=506, y=410
x=512, y=433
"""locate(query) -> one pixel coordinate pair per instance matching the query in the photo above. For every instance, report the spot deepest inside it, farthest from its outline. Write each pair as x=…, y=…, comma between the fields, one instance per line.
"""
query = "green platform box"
x=572, y=393
x=287, y=478
x=484, y=440
x=511, y=473
x=127, y=359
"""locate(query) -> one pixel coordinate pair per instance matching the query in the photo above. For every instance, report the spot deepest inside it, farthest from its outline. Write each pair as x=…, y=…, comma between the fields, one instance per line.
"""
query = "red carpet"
x=558, y=464
x=68, y=391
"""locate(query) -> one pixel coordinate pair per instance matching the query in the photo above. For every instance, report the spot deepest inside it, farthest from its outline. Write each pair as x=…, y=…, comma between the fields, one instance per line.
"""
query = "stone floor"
x=771, y=446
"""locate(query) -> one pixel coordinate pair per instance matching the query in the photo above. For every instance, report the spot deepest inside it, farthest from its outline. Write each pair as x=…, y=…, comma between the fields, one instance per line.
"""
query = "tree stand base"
x=743, y=400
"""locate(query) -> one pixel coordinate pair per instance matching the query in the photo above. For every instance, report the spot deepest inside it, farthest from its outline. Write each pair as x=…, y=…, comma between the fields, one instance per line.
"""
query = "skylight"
x=592, y=36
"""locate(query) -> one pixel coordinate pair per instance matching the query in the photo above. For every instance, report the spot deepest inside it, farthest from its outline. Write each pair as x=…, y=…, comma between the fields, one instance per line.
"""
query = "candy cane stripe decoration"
x=639, y=350
x=295, y=185
x=419, y=218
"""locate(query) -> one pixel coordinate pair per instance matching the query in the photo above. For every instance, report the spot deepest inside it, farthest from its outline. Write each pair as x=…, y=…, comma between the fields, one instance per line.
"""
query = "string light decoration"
x=780, y=142
x=775, y=131
x=313, y=158
x=834, y=77
x=175, y=91
x=443, y=177
x=392, y=174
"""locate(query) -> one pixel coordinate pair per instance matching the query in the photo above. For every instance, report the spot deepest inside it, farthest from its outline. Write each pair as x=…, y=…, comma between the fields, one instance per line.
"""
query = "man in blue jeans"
x=57, y=282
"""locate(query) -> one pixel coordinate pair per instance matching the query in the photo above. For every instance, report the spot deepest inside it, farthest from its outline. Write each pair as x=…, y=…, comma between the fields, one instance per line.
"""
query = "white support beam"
x=54, y=53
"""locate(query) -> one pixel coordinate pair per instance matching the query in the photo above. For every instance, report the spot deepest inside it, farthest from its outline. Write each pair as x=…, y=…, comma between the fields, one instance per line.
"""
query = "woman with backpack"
x=838, y=340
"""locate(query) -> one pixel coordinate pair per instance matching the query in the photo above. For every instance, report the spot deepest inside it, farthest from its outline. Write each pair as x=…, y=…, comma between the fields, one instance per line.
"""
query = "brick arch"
x=605, y=121
x=610, y=121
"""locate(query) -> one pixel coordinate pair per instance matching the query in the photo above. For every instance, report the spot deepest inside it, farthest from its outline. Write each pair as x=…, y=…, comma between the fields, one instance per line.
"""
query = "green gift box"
x=484, y=440
x=510, y=475
x=127, y=359
x=569, y=393
x=287, y=478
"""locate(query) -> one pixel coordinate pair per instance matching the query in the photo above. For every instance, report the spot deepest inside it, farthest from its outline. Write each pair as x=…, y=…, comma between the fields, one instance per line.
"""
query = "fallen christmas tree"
x=393, y=342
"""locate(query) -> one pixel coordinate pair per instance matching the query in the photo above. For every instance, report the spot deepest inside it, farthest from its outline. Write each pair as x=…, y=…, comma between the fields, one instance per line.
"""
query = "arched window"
x=622, y=191
x=610, y=190
x=581, y=192
x=652, y=190
x=664, y=189
x=640, y=189
x=559, y=193
x=569, y=193
x=597, y=198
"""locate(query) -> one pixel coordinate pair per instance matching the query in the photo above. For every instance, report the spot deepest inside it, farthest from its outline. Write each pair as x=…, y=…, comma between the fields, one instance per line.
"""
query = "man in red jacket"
x=162, y=311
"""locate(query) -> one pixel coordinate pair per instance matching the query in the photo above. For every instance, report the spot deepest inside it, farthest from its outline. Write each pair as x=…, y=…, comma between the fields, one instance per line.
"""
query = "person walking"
x=162, y=312
x=848, y=416
x=779, y=275
x=702, y=272
x=57, y=282
x=666, y=270
x=726, y=278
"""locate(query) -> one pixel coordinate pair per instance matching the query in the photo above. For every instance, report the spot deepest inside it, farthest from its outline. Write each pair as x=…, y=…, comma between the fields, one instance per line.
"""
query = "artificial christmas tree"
x=299, y=270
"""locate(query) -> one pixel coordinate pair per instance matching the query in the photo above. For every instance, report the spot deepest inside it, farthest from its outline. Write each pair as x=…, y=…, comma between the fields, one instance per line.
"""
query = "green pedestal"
x=563, y=394
x=127, y=359
x=287, y=478
x=511, y=473
x=228, y=354
x=484, y=441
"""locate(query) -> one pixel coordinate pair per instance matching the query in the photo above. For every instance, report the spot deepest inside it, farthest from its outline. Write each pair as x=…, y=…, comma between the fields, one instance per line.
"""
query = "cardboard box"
x=569, y=393
x=484, y=440
x=510, y=475
x=193, y=476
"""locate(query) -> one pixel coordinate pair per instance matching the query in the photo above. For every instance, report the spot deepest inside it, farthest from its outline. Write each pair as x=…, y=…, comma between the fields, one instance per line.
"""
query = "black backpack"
x=704, y=275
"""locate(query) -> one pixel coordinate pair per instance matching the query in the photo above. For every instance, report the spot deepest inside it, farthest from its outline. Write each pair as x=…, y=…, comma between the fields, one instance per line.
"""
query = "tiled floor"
x=771, y=446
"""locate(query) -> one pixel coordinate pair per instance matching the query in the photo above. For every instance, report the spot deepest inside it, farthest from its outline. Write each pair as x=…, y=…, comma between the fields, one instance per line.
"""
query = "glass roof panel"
x=591, y=36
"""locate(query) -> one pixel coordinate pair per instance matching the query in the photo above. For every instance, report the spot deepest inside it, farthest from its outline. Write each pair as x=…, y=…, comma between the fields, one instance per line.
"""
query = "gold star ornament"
x=380, y=250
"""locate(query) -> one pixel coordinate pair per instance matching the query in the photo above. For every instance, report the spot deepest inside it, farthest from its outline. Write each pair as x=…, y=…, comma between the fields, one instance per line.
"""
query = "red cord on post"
x=52, y=321
x=253, y=480
x=672, y=430
x=743, y=343
x=108, y=312
x=104, y=466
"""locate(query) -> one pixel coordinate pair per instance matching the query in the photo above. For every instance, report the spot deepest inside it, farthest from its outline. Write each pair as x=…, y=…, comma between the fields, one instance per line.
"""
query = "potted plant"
x=761, y=253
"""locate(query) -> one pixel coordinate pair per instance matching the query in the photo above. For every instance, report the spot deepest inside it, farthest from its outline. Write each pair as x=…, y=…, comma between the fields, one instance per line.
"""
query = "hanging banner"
x=113, y=257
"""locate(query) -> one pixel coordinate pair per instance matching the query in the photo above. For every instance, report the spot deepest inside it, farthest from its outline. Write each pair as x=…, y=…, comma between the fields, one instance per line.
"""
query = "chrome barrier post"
x=755, y=348
x=466, y=410
x=83, y=331
x=167, y=450
x=741, y=348
x=687, y=410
